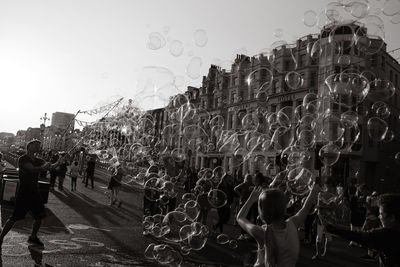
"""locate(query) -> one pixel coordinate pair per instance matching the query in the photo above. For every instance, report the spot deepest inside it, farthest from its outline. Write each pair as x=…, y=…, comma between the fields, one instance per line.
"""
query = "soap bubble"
x=217, y=198
x=174, y=220
x=391, y=7
x=381, y=110
x=193, y=70
x=222, y=239
x=310, y=18
x=192, y=209
x=200, y=38
x=148, y=253
x=329, y=154
x=377, y=128
x=176, y=48
x=332, y=128
x=359, y=9
x=294, y=80
x=233, y=244
x=389, y=136
x=197, y=241
x=380, y=90
x=300, y=181
x=185, y=232
x=155, y=41
x=397, y=157
x=165, y=254
x=278, y=32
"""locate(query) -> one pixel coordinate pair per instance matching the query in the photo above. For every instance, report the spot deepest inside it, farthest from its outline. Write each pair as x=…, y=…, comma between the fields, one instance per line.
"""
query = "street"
x=81, y=229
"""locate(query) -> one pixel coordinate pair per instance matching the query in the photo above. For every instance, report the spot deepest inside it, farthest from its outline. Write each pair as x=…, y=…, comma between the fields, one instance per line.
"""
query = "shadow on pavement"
x=92, y=213
x=50, y=225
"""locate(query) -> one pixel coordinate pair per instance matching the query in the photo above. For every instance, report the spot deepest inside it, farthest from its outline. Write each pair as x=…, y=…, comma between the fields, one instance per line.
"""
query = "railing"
x=11, y=158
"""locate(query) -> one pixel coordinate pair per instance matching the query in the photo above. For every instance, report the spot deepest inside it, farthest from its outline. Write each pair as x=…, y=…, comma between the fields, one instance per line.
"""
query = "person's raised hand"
x=255, y=193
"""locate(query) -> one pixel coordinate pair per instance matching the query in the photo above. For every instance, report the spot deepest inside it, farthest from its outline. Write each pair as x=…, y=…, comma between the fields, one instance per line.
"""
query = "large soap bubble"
x=377, y=128
x=329, y=154
x=217, y=198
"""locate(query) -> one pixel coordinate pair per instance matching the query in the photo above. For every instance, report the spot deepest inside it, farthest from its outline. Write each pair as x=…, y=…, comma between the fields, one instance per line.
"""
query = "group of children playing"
x=114, y=184
x=278, y=240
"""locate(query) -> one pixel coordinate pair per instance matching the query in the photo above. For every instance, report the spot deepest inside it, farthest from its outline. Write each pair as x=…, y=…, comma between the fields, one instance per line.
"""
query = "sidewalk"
x=115, y=235
x=80, y=229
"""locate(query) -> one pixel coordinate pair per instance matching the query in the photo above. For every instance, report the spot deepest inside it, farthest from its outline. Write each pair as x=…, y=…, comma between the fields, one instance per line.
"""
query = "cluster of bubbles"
x=178, y=228
x=327, y=122
x=156, y=41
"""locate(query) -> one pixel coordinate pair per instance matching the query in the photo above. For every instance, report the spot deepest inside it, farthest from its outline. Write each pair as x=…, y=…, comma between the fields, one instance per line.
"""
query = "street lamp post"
x=43, y=127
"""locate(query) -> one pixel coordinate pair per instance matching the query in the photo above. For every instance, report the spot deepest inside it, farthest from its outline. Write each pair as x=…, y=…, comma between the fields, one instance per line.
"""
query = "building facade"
x=63, y=120
x=245, y=102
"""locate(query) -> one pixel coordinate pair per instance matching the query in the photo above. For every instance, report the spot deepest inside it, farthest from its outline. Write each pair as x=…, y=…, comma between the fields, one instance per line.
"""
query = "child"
x=115, y=185
x=385, y=239
x=325, y=201
x=277, y=240
x=74, y=173
x=243, y=190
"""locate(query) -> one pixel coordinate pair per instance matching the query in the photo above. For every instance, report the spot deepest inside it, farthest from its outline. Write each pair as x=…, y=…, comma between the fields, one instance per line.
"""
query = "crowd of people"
x=35, y=165
x=73, y=166
x=265, y=215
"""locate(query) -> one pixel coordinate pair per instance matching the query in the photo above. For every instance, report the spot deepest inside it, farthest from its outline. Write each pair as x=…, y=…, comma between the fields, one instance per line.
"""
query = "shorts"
x=28, y=201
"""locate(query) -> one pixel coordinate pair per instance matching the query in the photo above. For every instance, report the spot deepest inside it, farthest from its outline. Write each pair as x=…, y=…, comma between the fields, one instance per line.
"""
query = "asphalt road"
x=81, y=229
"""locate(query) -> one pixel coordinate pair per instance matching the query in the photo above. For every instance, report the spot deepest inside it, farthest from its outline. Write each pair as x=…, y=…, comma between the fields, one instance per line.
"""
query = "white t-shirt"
x=288, y=244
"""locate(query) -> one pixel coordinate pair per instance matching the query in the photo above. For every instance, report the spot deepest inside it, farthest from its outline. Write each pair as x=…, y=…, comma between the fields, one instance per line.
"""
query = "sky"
x=71, y=55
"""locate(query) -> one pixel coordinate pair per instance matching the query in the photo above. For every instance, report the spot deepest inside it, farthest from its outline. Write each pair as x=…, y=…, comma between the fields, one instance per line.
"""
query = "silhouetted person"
x=224, y=212
x=91, y=165
x=53, y=172
x=2, y=164
x=62, y=171
x=28, y=197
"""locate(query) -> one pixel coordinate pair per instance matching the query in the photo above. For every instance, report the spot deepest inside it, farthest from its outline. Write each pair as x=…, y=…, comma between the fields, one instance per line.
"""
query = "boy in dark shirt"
x=28, y=197
x=385, y=239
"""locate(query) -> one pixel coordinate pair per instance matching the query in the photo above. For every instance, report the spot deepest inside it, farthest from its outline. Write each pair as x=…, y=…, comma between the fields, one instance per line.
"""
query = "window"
x=346, y=47
x=335, y=107
x=233, y=97
x=226, y=82
x=287, y=65
x=219, y=102
x=230, y=117
x=302, y=61
x=242, y=79
x=328, y=49
x=383, y=63
x=374, y=60
x=263, y=74
x=254, y=76
x=273, y=108
x=273, y=89
x=284, y=87
x=313, y=79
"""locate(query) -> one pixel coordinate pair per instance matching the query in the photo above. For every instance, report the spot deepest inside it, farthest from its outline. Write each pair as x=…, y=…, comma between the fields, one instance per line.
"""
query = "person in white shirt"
x=277, y=240
x=74, y=173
